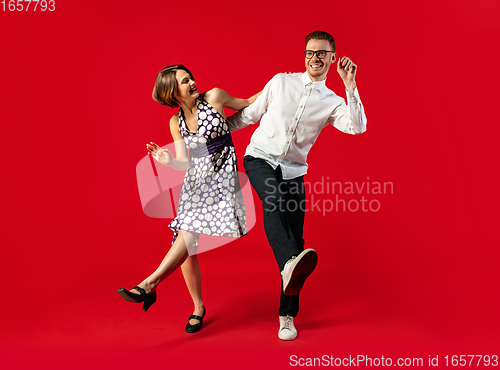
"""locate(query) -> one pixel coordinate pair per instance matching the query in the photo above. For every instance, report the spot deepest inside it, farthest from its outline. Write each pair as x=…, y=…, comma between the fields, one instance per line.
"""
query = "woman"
x=211, y=201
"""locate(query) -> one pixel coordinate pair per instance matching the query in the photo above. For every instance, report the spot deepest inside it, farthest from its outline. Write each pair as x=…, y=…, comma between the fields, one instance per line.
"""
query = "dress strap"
x=181, y=119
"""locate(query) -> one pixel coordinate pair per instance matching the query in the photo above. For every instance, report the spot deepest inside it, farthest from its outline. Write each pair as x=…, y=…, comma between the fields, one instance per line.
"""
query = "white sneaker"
x=297, y=269
x=287, y=329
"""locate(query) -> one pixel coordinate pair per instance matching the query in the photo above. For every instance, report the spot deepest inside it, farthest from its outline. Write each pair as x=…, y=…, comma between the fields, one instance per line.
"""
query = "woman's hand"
x=163, y=156
x=254, y=97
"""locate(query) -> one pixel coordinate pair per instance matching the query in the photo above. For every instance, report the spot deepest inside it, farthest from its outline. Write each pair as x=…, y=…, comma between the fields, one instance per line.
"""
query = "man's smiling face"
x=318, y=68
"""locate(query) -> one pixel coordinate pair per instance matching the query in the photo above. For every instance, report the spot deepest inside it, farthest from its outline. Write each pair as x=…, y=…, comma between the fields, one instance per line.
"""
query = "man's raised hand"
x=347, y=71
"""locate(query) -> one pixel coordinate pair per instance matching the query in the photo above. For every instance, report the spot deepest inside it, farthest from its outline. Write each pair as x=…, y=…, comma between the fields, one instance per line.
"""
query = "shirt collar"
x=316, y=84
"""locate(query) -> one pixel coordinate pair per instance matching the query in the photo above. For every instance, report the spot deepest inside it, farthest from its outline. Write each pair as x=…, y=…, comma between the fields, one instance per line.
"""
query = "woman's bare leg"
x=174, y=258
x=192, y=277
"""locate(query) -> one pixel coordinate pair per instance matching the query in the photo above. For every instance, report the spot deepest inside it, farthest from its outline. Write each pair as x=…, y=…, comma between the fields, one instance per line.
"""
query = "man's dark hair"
x=321, y=35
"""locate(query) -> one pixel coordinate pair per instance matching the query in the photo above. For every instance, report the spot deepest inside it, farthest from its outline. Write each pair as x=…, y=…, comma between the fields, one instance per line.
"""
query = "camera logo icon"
x=160, y=189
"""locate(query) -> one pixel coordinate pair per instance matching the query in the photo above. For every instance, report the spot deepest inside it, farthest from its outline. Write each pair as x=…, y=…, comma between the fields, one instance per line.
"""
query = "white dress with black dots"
x=211, y=202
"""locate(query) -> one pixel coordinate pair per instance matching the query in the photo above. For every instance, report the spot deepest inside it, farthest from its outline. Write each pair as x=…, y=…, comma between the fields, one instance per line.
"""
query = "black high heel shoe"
x=148, y=299
x=196, y=327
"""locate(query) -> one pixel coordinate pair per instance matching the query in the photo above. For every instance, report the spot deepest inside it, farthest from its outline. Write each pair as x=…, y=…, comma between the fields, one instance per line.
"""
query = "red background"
x=417, y=278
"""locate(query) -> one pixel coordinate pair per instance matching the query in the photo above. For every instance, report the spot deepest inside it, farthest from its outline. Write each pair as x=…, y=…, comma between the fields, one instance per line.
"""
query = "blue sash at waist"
x=213, y=146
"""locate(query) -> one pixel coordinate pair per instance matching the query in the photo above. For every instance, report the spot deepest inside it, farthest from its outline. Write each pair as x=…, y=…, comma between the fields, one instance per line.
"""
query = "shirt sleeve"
x=254, y=112
x=349, y=118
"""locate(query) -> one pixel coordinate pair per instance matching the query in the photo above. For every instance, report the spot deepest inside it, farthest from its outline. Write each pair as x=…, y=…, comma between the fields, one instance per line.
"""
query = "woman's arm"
x=253, y=97
x=164, y=156
x=221, y=97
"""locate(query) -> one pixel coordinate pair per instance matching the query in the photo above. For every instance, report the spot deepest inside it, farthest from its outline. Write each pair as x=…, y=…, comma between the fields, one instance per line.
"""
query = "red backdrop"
x=417, y=278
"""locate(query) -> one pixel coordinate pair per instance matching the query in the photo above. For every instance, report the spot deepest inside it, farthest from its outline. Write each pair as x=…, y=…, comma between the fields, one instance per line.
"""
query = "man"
x=293, y=109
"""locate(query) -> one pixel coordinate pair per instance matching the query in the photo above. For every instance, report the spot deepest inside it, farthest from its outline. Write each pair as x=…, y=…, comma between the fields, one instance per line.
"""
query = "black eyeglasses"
x=320, y=53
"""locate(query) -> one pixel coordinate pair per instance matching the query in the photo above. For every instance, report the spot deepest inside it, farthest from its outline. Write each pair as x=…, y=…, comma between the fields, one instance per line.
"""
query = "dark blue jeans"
x=283, y=207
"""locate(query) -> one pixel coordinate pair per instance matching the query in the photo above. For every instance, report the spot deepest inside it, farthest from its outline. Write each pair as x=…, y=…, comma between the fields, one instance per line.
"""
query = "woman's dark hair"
x=165, y=90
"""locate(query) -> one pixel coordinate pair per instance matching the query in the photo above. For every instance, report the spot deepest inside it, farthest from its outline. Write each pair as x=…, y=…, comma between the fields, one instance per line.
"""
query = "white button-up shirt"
x=292, y=111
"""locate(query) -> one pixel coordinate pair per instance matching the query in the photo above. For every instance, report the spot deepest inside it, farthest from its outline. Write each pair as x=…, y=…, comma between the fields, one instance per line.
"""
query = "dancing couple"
x=292, y=110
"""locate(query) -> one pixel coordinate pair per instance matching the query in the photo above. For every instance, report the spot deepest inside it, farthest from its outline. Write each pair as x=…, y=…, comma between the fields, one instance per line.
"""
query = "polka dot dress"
x=211, y=202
